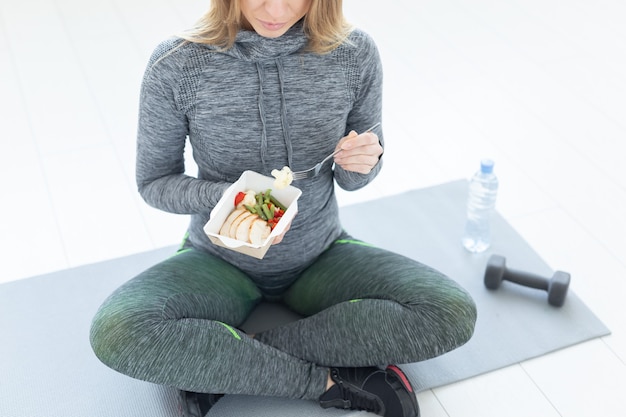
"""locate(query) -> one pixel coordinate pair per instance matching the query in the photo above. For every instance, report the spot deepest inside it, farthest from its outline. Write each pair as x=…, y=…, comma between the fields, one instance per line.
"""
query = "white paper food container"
x=251, y=180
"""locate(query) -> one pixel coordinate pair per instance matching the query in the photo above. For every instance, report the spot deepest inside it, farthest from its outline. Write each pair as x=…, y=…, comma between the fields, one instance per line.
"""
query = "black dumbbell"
x=556, y=286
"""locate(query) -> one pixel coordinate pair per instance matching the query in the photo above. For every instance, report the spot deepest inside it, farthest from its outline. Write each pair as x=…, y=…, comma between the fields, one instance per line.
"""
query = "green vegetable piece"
x=266, y=211
x=260, y=212
x=277, y=203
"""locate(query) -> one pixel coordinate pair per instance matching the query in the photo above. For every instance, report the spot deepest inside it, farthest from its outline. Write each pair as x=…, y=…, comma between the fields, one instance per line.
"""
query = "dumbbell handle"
x=526, y=279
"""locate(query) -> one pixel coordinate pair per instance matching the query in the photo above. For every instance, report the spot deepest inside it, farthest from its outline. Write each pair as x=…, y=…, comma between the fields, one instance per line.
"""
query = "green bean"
x=267, y=212
x=277, y=203
x=259, y=211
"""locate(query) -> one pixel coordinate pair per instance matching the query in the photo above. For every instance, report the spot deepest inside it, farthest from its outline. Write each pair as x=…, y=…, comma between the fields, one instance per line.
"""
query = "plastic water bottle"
x=481, y=202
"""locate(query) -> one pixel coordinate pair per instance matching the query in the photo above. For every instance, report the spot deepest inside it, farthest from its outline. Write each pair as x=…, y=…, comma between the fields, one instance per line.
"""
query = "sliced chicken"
x=259, y=231
x=243, y=229
x=232, y=233
x=225, y=229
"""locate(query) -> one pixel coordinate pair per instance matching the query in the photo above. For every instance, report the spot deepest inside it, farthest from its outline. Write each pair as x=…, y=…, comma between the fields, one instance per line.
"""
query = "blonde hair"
x=324, y=25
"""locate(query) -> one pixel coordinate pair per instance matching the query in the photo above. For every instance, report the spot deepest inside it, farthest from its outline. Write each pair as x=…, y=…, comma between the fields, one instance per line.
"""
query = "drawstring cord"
x=283, y=114
x=262, y=114
x=283, y=118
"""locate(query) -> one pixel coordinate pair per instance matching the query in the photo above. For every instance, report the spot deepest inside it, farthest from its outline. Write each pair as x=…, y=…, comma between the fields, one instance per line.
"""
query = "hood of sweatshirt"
x=252, y=47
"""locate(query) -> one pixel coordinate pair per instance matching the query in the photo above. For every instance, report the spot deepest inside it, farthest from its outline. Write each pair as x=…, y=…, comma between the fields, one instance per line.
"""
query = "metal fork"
x=312, y=172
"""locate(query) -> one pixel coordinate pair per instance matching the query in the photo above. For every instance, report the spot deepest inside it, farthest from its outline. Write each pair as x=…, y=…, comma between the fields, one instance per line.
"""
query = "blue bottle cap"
x=486, y=166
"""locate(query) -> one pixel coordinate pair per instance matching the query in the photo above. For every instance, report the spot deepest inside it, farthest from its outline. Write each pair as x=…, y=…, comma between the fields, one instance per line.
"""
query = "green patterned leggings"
x=176, y=323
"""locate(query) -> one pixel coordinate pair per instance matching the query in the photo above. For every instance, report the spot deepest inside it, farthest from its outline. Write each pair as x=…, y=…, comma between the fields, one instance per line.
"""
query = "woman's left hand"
x=359, y=153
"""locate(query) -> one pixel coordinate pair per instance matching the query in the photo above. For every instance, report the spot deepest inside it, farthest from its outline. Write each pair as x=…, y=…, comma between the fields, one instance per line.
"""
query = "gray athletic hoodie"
x=260, y=105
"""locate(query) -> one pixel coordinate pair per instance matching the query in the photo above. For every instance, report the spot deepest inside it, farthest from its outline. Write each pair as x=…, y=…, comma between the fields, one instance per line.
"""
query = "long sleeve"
x=162, y=132
x=367, y=108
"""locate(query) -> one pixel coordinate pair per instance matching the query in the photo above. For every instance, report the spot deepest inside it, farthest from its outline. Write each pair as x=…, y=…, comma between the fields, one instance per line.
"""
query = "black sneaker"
x=386, y=392
x=194, y=404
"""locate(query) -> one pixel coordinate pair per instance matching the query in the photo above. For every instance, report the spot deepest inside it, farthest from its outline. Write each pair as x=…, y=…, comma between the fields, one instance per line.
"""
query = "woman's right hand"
x=280, y=237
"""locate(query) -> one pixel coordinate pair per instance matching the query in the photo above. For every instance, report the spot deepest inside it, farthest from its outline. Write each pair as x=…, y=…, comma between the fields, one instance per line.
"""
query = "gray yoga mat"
x=47, y=367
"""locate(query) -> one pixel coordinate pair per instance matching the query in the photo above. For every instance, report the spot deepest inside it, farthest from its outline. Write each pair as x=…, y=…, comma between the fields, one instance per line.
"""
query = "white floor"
x=539, y=86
